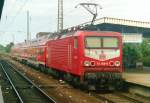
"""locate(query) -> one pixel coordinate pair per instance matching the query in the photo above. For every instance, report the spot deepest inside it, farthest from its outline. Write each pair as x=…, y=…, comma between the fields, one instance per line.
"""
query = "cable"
x=18, y=12
x=9, y=12
x=20, y=9
x=13, y=6
x=69, y=12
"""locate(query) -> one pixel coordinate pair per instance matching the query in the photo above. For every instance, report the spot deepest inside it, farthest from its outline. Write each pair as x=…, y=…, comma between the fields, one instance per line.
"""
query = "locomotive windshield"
x=101, y=42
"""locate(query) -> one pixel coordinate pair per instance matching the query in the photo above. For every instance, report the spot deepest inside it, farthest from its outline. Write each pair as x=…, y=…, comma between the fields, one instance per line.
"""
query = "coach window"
x=37, y=51
x=41, y=50
x=75, y=42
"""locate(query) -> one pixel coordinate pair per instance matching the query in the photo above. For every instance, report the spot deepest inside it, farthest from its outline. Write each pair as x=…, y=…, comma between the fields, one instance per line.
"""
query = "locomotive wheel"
x=120, y=85
x=91, y=87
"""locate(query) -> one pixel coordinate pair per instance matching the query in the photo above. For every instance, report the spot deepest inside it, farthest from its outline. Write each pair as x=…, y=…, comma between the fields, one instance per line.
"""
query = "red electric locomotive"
x=83, y=57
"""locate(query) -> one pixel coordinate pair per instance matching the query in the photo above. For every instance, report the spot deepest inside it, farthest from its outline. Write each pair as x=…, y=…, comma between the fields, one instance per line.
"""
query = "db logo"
x=102, y=56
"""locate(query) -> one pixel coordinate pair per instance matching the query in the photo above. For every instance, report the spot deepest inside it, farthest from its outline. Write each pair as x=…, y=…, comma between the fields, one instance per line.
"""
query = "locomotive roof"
x=43, y=40
x=82, y=32
x=102, y=32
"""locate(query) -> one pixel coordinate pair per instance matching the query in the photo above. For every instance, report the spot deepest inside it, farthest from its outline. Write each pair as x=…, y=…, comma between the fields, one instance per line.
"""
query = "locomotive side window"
x=93, y=42
x=75, y=42
x=110, y=42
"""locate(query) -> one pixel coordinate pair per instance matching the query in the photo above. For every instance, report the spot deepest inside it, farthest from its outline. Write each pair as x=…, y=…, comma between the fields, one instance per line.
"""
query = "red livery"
x=88, y=57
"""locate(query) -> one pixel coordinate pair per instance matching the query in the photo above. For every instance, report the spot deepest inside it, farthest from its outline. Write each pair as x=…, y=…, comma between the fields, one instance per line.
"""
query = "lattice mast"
x=60, y=16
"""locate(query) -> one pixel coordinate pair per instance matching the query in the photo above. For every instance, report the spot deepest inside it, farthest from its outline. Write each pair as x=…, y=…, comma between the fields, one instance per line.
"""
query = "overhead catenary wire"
x=20, y=9
x=18, y=12
x=9, y=19
x=12, y=7
x=9, y=11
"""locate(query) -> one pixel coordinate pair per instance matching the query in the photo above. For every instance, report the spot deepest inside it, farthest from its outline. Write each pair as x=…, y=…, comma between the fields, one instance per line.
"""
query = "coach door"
x=48, y=55
x=75, y=55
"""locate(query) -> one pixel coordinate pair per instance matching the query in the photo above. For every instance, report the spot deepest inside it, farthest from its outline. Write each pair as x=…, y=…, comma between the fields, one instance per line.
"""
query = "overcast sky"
x=44, y=15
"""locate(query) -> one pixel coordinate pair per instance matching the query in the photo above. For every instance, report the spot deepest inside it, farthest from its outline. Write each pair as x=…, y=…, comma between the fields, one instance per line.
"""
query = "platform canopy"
x=1, y=7
x=122, y=25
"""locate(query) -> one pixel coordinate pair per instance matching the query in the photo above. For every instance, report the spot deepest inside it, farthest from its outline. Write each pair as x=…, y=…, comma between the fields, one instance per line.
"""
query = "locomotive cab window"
x=75, y=42
x=101, y=42
x=110, y=42
x=93, y=42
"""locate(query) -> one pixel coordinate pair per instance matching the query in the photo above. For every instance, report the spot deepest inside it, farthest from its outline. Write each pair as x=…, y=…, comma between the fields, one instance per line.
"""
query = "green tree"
x=145, y=48
x=131, y=55
x=8, y=47
x=2, y=48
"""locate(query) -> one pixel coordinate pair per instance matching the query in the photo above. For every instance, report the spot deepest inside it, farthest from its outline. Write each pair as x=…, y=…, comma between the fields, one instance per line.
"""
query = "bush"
x=145, y=47
x=146, y=61
x=8, y=47
x=131, y=55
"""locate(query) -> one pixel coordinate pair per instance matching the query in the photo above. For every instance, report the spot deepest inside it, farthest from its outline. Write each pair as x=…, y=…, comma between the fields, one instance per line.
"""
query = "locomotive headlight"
x=86, y=63
x=117, y=63
x=92, y=63
x=111, y=63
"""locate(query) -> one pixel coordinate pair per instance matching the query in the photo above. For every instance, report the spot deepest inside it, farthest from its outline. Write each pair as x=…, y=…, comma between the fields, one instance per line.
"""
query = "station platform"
x=1, y=96
x=138, y=77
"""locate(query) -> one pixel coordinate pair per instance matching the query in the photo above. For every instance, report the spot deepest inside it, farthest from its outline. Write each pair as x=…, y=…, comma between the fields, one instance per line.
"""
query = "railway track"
x=21, y=89
x=117, y=98
x=112, y=97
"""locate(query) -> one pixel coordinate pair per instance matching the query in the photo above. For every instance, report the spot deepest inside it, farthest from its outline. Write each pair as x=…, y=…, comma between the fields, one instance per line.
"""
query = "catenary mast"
x=60, y=16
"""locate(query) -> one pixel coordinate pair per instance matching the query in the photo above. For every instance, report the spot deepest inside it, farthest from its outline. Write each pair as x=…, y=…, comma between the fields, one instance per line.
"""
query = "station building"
x=129, y=28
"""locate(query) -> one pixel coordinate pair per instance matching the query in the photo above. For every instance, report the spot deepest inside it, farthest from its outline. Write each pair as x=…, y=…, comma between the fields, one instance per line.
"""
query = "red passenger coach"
x=33, y=52
x=82, y=57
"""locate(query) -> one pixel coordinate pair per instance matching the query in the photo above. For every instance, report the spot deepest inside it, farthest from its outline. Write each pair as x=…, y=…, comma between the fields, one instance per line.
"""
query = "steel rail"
x=10, y=81
x=112, y=100
x=39, y=89
x=129, y=98
x=103, y=98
